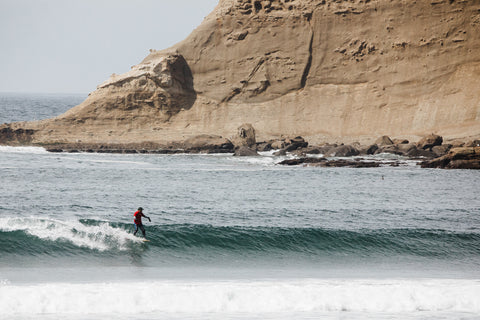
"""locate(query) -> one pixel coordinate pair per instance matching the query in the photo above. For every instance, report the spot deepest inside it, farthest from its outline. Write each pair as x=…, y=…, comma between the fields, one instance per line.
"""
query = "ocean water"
x=232, y=238
x=16, y=107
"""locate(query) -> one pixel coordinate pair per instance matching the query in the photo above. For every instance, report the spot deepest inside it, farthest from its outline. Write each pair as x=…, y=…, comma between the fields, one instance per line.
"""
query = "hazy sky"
x=71, y=46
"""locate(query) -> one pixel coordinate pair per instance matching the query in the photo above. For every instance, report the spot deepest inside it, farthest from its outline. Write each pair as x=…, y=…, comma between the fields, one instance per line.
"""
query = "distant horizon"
x=44, y=93
x=70, y=47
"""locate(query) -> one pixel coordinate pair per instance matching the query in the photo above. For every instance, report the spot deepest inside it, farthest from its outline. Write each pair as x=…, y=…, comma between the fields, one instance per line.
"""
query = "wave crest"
x=191, y=240
x=100, y=236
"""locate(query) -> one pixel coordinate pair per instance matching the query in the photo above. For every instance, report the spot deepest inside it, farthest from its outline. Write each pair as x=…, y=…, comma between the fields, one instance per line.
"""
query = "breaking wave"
x=9, y=149
x=253, y=297
x=20, y=236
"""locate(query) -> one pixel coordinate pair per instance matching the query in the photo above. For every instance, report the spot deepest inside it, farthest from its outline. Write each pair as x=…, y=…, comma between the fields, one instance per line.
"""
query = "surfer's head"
x=140, y=209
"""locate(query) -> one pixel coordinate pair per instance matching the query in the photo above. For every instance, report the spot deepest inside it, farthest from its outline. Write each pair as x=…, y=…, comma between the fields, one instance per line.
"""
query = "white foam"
x=265, y=159
x=242, y=296
x=100, y=237
x=9, y=149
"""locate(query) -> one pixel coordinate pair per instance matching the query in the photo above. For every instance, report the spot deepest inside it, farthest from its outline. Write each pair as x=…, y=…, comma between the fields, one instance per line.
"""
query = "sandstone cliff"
x=328, y=70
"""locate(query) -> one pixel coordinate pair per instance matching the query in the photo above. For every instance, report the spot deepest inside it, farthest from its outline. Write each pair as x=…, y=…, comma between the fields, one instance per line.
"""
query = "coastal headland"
x=299, y=74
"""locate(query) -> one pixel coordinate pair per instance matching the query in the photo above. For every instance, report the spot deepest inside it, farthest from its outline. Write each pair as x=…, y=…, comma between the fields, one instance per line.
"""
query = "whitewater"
x=231, y=238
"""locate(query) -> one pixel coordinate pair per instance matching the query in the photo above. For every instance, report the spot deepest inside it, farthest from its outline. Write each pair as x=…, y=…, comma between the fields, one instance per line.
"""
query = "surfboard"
x=146, y=240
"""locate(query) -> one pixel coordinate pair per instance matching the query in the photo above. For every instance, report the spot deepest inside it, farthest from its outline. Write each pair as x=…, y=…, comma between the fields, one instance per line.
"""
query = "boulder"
x=295, y=140
x=313, y=150
x=383, y=141
x=457, y=158
x=368, y=149
x=289, y=144
x=325, y=149
x=295, y=146
x=245, y=136
x=264, y=146
x=277, y=144
x=430, y=141
x=343, y=151
x=280, y=153
x=406, y=148
x=393, y=149
x=208, y=143
x=420, y=153
x=244, y=151
x=441, y=150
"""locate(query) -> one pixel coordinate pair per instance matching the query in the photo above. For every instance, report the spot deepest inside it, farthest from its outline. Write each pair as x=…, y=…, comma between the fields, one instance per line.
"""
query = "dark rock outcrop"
x=430, y=141
x=405, y=148
x=288, y=145
x=19, y=136
x=343, y=151
x=208, y=143
x=244, y=151
x=298, y=161
x=393, y=149
x=441, y=150
x=323, y=162
x=263, y=146
x=371, y=149
x=457, y=158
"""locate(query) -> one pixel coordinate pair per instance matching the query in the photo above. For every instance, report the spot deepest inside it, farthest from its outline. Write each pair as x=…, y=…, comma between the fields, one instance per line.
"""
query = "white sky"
x=71, y=46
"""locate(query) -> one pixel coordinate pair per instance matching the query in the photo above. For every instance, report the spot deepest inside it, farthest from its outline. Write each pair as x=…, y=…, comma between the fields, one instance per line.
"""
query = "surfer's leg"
x=143, y=229
x=136, y=229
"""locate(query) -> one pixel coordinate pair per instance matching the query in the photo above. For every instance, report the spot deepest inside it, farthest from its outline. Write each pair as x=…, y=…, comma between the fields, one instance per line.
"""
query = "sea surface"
x=230, y=237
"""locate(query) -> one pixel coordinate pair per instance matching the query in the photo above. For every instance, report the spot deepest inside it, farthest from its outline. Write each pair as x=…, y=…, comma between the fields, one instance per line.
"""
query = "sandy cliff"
x=328, y=70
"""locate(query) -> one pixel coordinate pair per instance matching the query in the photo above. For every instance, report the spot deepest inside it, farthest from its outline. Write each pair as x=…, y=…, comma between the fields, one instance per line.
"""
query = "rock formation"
x=245, y=136
x=327, y=70
x=457, y=158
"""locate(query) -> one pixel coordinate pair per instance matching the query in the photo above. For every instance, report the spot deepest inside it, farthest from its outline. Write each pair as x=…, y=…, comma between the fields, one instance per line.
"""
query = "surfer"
x=138, y=221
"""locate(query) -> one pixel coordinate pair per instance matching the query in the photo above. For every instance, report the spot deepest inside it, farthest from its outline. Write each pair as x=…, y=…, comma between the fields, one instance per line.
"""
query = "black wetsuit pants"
x=139, y=226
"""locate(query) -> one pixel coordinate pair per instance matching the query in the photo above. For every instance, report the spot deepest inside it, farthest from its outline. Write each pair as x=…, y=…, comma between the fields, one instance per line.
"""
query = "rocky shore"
x=430, y=151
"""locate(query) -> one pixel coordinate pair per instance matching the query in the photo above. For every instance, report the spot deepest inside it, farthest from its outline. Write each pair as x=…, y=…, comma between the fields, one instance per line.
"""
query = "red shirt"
x=138, y=217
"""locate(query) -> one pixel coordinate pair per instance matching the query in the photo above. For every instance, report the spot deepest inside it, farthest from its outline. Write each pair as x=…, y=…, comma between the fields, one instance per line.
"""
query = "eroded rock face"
x=245, y=136
x=130, y=108
x=151, y=91
x=336, y=70
x=328, y=70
